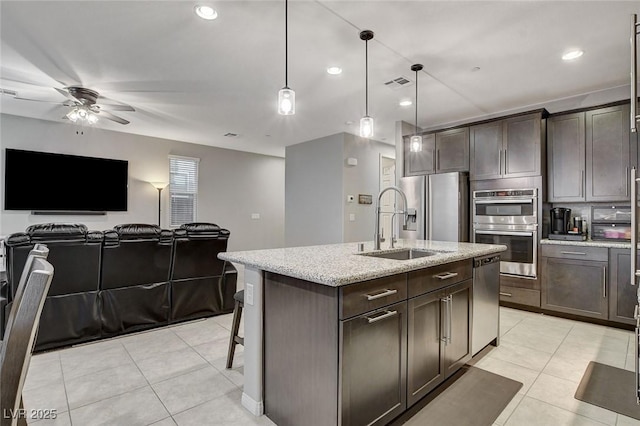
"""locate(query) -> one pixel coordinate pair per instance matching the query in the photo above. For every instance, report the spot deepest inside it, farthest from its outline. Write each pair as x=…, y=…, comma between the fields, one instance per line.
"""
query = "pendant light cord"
x=286, y=44
x=416, y=103
x=366, y=78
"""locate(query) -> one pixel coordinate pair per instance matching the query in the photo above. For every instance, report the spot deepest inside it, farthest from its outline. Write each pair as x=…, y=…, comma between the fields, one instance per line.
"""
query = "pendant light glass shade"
x=366, y=122
x=366, y=127
x=415, y=144
x=286, y=95
x=286, y=101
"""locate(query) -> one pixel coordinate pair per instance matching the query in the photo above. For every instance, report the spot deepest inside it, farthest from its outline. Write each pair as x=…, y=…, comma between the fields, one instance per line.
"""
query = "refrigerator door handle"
x=634, y=224
x=429, y=210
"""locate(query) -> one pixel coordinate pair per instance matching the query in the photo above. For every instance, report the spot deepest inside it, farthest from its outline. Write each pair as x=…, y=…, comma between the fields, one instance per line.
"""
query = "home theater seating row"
x=133, y=277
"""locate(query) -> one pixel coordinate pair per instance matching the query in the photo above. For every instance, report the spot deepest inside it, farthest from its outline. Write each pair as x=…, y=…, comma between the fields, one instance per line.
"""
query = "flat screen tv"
x=46, y=182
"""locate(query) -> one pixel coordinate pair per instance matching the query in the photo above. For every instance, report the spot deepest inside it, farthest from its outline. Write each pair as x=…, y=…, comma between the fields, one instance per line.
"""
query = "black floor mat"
x=609, y=387
x=472, y=397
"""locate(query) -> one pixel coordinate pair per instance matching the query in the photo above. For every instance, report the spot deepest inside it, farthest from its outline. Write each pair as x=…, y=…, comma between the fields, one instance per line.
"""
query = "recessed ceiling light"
x=572, y=54
x=406, y=102
x=206, y=12
x=334, y=70
x=348, y=123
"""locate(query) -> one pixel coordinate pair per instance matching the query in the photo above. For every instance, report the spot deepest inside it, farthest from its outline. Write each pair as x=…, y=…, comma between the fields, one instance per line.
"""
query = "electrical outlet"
x=352, y=217
x=248, y=294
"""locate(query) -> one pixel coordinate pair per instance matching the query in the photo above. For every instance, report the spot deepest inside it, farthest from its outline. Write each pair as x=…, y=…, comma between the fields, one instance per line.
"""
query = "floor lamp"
x=159, y=186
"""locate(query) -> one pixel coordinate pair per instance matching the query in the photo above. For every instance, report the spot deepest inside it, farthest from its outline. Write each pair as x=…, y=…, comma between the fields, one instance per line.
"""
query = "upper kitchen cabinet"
x=442, y=152
x=607, y=171
x=512, y=147
x=566, y=154
x=452, y=150
x=422, y=162
x=588, y=156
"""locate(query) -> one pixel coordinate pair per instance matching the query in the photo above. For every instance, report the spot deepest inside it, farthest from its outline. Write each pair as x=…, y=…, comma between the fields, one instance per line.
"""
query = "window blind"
x=183, y=188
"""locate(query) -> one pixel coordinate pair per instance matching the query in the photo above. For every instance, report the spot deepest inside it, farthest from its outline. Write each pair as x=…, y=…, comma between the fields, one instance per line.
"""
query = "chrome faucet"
x=405, y=213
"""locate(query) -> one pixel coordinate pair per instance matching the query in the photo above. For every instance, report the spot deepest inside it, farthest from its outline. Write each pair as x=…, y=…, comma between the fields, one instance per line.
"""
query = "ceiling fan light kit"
x=366, y=122
x=416, y=140
x=286, y=95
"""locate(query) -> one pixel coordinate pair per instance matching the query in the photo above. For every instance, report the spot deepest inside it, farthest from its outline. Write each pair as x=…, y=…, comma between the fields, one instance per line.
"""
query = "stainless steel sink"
x=405, y=254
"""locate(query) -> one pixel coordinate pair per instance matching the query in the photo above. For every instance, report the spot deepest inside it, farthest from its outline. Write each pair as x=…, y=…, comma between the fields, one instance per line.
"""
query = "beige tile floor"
x=176, y=375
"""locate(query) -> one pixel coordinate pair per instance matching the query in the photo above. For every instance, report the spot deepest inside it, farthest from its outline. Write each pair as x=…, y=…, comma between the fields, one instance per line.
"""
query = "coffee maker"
x=560, y=220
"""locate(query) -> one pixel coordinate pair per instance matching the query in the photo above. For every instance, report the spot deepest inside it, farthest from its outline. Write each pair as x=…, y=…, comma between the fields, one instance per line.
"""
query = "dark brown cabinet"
x=507, y=148
x=607, y=147
x=374, y=353
x=452, y=150
x=574, y=280
x=589, y=156
x=442, y=152
x=622, y=295
x=439, y=335
x=566, y=154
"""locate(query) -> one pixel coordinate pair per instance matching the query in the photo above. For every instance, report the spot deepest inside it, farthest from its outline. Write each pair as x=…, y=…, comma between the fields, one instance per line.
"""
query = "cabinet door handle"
x=445, y=326
x=582, y=183
x=500, y=162
x=574, y=252
x=506, y=162
x=437, y=159
x=446, y=275
x=637, y=362
x=385, y=315
x=604, y=282
x=626, y=180
x=385, y=293
x=450, y=307
x=506, y=294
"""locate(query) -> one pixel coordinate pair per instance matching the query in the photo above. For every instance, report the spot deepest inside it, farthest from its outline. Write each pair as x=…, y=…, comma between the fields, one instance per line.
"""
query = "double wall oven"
x=509, y=217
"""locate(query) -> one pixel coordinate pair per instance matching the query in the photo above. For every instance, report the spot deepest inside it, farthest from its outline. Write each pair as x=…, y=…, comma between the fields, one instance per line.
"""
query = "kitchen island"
x=335, y=335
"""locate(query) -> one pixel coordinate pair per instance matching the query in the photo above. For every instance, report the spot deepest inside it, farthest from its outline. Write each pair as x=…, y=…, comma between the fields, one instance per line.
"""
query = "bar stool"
x=237, y=314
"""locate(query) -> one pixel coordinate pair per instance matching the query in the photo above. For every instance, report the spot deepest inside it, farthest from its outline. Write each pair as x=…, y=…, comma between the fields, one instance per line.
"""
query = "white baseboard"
x=255, y=407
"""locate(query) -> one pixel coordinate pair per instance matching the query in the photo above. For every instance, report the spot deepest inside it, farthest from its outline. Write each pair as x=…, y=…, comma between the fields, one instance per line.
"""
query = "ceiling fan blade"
x=121, y=107
x=66, y=94
x=112, y=117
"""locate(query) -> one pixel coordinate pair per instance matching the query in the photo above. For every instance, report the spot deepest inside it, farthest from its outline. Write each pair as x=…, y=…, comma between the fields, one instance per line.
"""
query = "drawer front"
x=600, y=254
x=521, y=296
x=356, y=299
x=426, y=280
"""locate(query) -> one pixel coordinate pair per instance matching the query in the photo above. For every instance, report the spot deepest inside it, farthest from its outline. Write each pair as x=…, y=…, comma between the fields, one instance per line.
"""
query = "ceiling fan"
x=84, y=105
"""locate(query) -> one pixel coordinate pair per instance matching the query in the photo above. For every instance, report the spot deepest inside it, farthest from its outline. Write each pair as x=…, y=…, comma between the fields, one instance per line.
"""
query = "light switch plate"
x=352, y=217
x=248, y=294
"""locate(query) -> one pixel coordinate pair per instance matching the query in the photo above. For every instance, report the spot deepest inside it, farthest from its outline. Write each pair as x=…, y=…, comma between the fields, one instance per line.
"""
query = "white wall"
x=313, y=185
x=362, y=179
x=318, y=181
x=232, y=184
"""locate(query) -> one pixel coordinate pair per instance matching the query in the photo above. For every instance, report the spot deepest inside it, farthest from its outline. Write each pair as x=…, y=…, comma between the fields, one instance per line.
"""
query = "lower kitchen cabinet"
x=622, y=295
x=575, y=282
x=374, y=353
x=439, y=341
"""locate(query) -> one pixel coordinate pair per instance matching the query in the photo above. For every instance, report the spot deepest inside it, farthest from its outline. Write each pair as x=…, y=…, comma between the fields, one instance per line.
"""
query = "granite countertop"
x=339, y=264
x=589, y=243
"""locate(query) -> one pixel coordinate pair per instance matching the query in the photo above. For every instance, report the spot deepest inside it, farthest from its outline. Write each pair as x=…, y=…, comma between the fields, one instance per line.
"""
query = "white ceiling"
x=195, y=80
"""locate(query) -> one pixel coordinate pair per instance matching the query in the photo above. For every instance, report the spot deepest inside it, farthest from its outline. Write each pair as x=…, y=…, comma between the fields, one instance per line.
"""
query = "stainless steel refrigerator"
x=442, y=206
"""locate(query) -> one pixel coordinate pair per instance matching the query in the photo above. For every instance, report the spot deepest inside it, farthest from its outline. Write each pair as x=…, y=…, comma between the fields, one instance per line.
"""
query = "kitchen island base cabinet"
x=373, y=366
x=439, y=339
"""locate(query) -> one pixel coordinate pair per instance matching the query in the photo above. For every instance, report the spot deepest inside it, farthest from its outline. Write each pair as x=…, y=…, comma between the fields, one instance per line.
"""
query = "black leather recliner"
x=71, y=311
x=201, y=284
x=136, y=261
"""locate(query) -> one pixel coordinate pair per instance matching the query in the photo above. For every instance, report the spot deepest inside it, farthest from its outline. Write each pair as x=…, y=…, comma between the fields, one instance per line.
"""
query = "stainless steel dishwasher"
x=486, y=300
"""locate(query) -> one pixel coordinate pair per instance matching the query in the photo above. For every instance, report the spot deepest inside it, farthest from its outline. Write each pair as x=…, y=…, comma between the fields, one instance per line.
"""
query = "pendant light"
x=366, y=122
x=416, y=140
x=286, y=95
